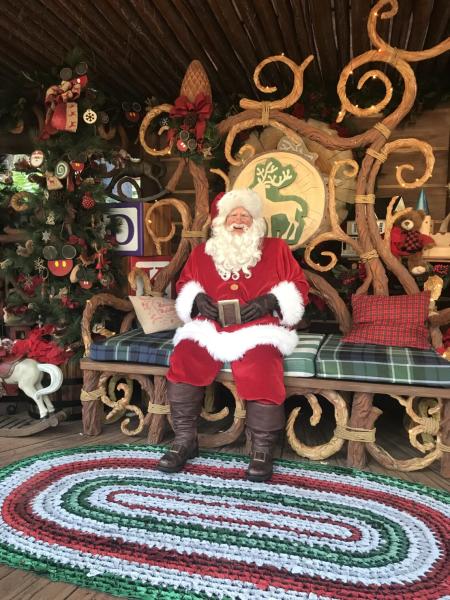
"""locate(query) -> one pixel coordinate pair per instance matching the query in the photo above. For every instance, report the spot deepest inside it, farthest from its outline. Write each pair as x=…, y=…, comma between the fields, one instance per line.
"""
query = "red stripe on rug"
x=17, y=512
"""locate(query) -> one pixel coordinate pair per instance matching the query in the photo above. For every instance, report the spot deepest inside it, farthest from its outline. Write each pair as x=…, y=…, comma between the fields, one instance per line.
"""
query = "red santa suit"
x=254, y=349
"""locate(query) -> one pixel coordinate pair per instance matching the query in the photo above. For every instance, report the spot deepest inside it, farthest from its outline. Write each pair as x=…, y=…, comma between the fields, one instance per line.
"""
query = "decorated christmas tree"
x=55, y=212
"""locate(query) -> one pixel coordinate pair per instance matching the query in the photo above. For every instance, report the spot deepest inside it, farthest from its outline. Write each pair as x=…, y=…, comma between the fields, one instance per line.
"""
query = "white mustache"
x=237, y=226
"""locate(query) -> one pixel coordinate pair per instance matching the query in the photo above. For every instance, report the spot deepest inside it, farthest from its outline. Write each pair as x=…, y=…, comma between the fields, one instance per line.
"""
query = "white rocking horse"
x=27, y=375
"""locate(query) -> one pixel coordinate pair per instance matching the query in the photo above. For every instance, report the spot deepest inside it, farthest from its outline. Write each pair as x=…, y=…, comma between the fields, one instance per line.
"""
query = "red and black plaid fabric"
x=390, y=320
x=411, y=242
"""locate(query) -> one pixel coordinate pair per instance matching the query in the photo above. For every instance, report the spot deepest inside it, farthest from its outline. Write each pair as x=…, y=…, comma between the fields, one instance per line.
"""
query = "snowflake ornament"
x=46, y=235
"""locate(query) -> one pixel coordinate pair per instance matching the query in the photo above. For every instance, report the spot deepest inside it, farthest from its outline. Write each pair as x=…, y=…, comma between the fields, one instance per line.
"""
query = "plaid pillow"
x=390, y=320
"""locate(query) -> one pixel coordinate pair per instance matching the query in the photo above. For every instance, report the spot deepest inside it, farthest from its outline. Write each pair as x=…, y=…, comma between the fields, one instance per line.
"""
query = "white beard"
x=234, y=252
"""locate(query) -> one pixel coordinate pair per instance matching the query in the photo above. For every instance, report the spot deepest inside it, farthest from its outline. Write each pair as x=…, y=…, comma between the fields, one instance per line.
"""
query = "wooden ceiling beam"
x=360, y=10
x=286, y=21
x=215, y=41
x=421, y=11
x=139, y=44
x=257, y=26
x=322, y=22
x=78, y=26
x=178, y=29
x=305, y=40
x=342, y=24
x=233, y=33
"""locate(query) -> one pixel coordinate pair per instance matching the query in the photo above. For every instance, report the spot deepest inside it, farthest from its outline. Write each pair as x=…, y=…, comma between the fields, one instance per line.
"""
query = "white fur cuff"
x=290, y=302
x=228, y=346
x=185, y=300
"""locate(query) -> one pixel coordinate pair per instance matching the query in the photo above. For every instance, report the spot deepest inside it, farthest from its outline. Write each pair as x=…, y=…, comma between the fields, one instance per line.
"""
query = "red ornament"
x=85, y=284
x=60, y=267
x=88, y=201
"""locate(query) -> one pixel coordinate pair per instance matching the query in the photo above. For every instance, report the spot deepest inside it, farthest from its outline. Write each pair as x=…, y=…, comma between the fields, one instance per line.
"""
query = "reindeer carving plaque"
x=293, y=193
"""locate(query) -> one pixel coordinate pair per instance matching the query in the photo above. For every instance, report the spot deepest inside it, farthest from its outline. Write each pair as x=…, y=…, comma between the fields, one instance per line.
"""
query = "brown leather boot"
x=185, y=402
x=265, y=422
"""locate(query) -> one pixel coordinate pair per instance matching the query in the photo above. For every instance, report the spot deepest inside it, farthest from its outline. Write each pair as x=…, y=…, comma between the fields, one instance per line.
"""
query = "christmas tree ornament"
x=49, y=253
x=36, y=158
x=78, y=168
x=89, y=116
x=88, y=201
x=66, y=74
x=60, y=267
x=192, y=144
x=68, y=251
x=85, y=284
x=62, y=169
x=81, y=68
x=50, y=220
x=132, y=111
x=103, y=117
x=53, y=182
x=184, y=135
x=181, y=146
x=20, y=201
x=46, y=235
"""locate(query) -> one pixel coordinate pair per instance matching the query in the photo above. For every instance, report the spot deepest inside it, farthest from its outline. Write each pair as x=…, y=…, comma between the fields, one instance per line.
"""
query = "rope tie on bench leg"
x=385, y=131
x=89, y=396
x=158, y=409
x=442, y=447
x=365, y=199
x=240, y=413
x=355, y=434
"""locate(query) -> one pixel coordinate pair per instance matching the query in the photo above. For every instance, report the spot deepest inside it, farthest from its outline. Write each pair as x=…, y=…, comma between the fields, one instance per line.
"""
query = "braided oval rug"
x=102, y=517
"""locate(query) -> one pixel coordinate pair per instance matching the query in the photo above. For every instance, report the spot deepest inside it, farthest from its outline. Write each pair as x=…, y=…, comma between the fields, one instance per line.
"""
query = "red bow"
x=201, y=108
x=39, y=349
x=62, y=112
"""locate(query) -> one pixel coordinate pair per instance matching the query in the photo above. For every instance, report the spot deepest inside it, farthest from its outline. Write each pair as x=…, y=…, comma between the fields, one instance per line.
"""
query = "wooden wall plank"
x=401, y=25
x=438, y=29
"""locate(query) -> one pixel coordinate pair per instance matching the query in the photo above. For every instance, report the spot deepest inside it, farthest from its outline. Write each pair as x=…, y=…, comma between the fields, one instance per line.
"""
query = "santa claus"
x=236, y=263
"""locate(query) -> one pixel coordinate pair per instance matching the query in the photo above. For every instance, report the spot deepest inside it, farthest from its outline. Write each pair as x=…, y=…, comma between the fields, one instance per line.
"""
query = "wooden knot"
x=385, y=131
x=355, y=434
x=89, y=396
x=381, y=156
x=430, y=425
x=158, y=409
x=370, y=255
x=265, y=115
x=365, y=199
x=240, y=413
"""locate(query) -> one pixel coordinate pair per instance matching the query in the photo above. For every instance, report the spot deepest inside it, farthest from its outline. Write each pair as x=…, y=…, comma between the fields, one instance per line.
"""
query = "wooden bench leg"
x=363, y=416
x=92, y=410
x=445, y=439
x=158, y=422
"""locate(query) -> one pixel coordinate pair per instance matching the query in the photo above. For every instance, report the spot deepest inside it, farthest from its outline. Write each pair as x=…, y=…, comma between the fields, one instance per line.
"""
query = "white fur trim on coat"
x=246, y=198
x=232, y=345
x=290, y=302
x=185, y=300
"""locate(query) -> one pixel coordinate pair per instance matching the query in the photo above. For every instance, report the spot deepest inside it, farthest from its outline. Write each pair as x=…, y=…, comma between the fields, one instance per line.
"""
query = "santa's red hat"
x=224, y=203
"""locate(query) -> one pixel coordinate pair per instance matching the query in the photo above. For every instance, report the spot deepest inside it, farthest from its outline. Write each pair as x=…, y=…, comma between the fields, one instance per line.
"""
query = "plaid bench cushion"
x=155, y=349
x=385, y=364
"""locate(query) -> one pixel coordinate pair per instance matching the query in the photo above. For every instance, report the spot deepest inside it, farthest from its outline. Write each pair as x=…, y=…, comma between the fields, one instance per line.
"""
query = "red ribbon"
x=62, y=111
x=201, y=108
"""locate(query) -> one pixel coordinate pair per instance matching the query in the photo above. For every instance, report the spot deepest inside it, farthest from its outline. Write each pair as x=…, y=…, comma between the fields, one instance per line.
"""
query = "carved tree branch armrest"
x=89, y=311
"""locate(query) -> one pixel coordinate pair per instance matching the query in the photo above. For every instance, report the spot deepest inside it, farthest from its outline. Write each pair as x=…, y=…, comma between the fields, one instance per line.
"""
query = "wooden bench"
x=355, y=420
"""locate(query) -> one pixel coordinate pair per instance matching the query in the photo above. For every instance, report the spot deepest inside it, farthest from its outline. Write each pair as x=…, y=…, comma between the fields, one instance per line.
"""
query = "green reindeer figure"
x=284, y=214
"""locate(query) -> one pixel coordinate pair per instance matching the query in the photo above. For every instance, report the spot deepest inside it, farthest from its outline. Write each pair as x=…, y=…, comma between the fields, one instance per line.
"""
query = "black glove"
x=206, y=306
x=259, y=307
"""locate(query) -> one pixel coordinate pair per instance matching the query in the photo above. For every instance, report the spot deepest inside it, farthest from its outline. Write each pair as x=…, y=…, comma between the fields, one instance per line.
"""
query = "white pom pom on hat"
x=223, y=204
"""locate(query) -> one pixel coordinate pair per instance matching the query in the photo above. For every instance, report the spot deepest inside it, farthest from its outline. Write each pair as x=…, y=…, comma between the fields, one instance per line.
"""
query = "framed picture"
x=130, y=236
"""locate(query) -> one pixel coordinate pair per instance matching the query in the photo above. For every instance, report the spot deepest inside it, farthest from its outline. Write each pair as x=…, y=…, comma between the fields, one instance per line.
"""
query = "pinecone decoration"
x=88, y=202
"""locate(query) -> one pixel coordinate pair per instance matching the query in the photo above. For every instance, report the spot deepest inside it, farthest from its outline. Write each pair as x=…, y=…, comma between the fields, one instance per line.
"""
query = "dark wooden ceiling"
x=141, y=48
